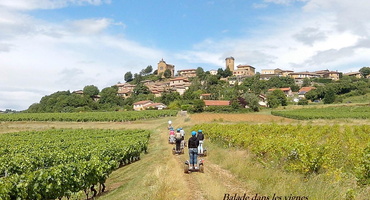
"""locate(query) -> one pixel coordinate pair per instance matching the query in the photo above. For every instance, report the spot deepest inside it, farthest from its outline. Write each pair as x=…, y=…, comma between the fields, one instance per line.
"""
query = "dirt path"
x=159, y=175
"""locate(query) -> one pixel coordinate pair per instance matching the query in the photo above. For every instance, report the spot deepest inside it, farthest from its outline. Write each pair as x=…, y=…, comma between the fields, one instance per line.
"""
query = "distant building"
x=147, y=104
x=213, y=72
x=334, y=75
x=302, y=92
x=244, y=70
x=230, y=63
x=287, y=91
x=163, y=66
x=354, y=74
x=187, y=72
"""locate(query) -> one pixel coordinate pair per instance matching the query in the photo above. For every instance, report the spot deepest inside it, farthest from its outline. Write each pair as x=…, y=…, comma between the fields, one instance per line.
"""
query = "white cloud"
x=90, y=26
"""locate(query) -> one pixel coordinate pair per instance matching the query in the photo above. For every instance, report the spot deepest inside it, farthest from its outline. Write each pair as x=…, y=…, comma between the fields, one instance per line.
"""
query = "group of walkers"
x=195, y=143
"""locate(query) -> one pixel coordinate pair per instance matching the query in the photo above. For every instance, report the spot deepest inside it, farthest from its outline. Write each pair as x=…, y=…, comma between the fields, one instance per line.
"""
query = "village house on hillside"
x=146, y=104
x=180, y=84
x=266, y=74
x=333, y=75
x=187, y=73
x=354, y=74
x=125, y=89
x=287, y=91
x=302, y=92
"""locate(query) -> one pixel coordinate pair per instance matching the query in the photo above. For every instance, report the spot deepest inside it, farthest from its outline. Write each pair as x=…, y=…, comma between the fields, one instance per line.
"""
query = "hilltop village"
x=180, y=82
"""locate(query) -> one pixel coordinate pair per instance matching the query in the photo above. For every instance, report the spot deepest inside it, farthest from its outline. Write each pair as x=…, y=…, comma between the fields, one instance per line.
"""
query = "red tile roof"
x=306, y=89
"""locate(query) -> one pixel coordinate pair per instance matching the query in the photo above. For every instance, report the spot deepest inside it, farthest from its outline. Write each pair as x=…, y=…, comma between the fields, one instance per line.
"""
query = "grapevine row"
x=356, y=112
x=300, y=148
x=57, y=163
x=88, y=116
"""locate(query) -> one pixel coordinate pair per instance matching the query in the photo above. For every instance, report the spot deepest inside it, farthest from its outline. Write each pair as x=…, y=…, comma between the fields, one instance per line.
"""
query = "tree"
x=200, y=73
x=303, y=102
x=365, y=71
x=169, y=97
x=91, y=90
x=148, y=69
x=252, y=101
x=329, y=96
x=128, y=77
x=137, y=78
x=227, y=73
x=109, y=96
x=306, y=82
x=167, y=73
x=276, y=98
x=141, y=89
x=198, y=106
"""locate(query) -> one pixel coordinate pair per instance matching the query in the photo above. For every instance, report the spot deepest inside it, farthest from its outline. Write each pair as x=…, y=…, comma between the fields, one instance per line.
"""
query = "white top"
x=182, y=132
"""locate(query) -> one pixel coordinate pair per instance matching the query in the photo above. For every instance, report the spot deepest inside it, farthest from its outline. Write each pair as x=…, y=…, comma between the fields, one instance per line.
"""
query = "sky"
x=58, y=45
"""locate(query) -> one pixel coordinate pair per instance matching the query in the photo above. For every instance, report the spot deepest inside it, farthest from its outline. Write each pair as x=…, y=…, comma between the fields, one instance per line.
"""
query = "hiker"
x=178, y=138
x=200, y=137
x=193, y=144
x=171, y=138
x=182, y=131
x=169, y=125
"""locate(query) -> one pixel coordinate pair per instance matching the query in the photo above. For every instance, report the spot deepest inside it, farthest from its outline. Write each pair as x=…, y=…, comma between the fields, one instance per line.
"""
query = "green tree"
x=200, y=73
x=109, y=96
x=303, y=102
x=148, y=69
x=137, y=78
x=167, y=73
x=141, y=89
x=198, y=106
x=128, y=77
x=91, y=90
x=365, y=71
x=277, y=97
x=227, y=73
x=306, y=82
x=169, y=97
x=329, y=96
x=252, y=101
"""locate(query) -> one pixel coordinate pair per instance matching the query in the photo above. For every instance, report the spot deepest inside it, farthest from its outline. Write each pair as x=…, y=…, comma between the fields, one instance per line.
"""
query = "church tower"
x=230, y=63
x=163, y=66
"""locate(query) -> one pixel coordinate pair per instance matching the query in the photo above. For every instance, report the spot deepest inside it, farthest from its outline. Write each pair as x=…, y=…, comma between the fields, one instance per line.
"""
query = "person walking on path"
x=193, y=144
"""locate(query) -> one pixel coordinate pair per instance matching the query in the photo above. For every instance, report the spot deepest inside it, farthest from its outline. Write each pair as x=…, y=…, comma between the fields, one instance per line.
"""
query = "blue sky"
x=57, y=45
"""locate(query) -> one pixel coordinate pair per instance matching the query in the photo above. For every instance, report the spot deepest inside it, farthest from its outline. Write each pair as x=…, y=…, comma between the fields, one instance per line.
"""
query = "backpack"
x=178, y=135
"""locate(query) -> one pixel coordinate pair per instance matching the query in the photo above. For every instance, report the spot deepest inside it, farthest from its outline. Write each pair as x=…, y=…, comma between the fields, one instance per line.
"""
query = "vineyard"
x=355, y=112
x=88, y=116
x=305, y=149
x=58, y=163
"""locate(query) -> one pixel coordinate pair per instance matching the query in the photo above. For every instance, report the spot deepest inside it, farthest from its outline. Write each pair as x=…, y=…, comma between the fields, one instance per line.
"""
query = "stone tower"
x=230, y=63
